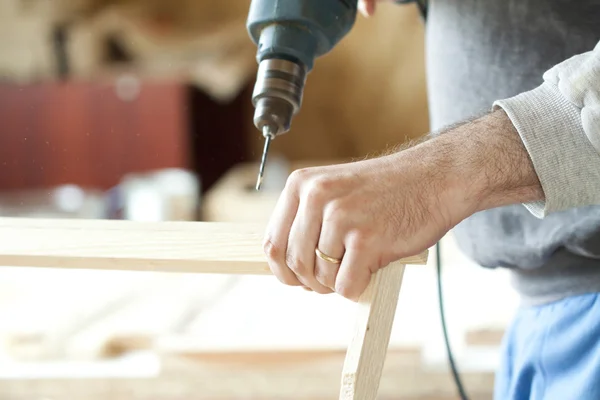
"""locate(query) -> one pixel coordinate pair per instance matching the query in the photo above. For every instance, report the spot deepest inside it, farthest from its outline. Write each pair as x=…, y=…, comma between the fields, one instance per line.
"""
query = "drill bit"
x=268, y=137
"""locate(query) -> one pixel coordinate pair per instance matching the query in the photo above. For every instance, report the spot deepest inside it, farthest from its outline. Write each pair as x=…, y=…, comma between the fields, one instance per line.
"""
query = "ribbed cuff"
x=566, y=163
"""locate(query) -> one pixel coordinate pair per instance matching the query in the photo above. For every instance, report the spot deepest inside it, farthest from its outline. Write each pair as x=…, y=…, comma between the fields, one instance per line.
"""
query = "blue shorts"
x=552, y=352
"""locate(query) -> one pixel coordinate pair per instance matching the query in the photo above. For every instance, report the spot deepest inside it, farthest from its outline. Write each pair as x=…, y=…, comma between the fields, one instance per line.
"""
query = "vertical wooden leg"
x=367, y=350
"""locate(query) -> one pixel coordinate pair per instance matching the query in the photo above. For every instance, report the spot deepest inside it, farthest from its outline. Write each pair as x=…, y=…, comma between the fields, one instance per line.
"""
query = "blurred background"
x=140, y=110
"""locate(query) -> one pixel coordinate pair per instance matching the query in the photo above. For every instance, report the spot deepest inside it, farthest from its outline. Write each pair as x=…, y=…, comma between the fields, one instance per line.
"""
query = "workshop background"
x=140, y=110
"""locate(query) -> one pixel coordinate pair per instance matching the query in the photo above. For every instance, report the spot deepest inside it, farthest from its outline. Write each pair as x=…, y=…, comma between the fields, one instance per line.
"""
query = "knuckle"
x=345, y=290
x=324, y=278
x=298, y=177
x=314, y=196
x=298, y=266
x=270, y=249
x=322, y=184
x=335, y=211
x=316, y=189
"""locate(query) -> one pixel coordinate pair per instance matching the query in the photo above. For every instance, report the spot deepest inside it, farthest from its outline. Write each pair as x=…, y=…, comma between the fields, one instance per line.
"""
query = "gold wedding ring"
x=327, y=258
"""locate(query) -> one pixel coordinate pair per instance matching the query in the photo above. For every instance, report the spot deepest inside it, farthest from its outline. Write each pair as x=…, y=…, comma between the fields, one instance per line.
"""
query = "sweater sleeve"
x=559, y=124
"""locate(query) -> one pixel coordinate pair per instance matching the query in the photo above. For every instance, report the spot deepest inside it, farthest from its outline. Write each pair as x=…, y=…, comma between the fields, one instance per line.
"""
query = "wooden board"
x=367, y=350
x=200, y=247
x=165, y=309
x=276, y=376
x=264, y=368
x=58, y=315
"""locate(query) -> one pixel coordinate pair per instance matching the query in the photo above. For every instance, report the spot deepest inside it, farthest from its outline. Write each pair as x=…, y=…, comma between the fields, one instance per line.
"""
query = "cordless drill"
x=290, y=35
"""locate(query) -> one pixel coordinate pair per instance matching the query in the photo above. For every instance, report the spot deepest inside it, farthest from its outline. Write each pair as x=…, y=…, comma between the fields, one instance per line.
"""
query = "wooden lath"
x=201, y=247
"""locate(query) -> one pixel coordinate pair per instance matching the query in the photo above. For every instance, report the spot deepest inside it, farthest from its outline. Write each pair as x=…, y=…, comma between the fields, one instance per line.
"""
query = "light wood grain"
x=199, y=247
x=163, y=310
x=272, y=376
x=367, y=351
x=205, y=248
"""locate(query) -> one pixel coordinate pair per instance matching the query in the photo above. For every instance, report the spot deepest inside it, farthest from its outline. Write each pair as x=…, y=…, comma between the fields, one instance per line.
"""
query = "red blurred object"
x=92, y=134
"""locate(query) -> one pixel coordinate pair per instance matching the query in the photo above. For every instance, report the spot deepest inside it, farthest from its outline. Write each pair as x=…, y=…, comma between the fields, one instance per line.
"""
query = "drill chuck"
x=290, y=35
x=277, y=95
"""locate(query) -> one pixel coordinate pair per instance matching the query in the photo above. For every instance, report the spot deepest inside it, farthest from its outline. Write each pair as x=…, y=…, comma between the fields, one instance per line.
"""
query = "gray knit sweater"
x=540, y=61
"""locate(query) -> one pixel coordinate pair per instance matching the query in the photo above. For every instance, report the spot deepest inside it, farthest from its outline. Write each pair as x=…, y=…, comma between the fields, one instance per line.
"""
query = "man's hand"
x=370, y=213
x=366, y=213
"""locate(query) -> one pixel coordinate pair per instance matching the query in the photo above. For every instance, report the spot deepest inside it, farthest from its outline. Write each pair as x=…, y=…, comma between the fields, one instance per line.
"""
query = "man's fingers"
x=303, y=238
x=276, y=237
x=354, y=274
x=331, y=243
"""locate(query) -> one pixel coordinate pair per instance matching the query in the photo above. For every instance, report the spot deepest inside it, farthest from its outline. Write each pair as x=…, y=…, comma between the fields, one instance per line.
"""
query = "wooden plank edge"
x=184, y=247
x=367, y=350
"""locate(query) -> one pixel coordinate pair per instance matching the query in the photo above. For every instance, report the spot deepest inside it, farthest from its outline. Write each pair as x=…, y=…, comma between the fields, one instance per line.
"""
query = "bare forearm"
x=496, y=167
x=480, y=164
x=369, y=213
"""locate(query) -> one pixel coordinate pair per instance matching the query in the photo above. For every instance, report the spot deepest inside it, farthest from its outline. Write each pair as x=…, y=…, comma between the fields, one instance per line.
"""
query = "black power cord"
x=459, y=386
